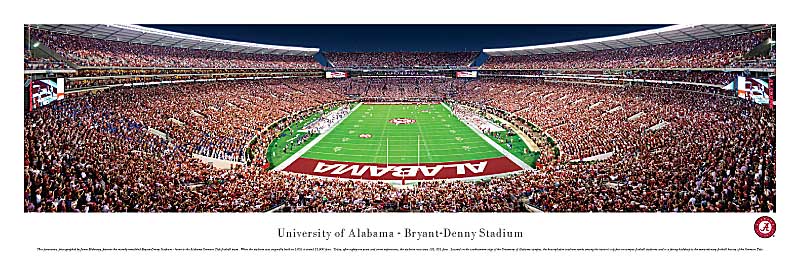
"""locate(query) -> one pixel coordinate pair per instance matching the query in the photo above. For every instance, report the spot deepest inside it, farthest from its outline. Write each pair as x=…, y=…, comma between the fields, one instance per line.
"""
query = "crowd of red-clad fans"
x=401, y=59
x=708, y=53
x=392, y=89
x=763, y=61
x=654, y=148
x=43, y=63
x=758, y=63
x=85, y=51
x=671, y=151
x=705, y=77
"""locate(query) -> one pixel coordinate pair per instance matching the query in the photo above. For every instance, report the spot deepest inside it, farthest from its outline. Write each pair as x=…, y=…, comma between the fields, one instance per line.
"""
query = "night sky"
x=381, y=38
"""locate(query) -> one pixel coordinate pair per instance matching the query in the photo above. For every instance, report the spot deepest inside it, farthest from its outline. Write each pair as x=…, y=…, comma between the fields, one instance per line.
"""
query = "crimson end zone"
x=408, y=172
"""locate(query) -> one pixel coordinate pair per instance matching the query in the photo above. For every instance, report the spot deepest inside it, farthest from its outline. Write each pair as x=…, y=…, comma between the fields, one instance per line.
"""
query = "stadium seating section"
x=106, y=53
x=709, y=53
x=401, y=59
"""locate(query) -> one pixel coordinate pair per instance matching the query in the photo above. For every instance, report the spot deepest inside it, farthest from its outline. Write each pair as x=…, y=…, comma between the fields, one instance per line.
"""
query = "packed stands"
x=94, y=154
x=388, y=89
x=708, y=53
x=43, y=63
x=690, y=164
x=606, y=146
x=401, y=59
x=704, y=77
x=89, y=52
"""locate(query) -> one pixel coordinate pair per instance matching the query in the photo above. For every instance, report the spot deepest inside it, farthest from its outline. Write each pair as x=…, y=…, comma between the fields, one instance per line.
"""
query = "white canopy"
x=150, y=36
x=665, y=35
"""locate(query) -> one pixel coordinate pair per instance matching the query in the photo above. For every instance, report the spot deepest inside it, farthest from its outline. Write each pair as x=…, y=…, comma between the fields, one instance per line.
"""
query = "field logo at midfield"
x=401, y=121
x=365, y=136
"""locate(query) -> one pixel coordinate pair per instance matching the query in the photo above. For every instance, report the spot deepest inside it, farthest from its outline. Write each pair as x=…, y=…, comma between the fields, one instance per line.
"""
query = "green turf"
x=518, y=148
x=441, y=137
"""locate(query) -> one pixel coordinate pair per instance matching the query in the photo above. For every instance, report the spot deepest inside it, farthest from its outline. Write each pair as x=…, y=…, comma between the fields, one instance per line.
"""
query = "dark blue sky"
x=376, y=38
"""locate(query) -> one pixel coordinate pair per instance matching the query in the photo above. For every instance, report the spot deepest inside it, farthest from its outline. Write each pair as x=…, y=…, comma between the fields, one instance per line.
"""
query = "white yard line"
x=383, y=131
x=313, y=142
x=420, y=137
x=365, y=144
x=505, y=152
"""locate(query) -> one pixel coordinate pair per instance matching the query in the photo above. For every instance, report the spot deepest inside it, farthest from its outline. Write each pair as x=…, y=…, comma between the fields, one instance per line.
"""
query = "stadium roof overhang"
x=665, y=35
x=150, y=36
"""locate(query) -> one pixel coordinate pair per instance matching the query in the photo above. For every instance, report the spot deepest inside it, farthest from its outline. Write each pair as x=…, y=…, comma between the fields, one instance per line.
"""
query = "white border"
x=24, y=232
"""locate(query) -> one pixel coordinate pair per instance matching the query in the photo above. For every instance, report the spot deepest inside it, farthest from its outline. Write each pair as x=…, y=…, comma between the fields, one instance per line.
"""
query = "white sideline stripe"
x=454, y=147
x=398, y=156
x=311, y=144
x=505, y=152
x=355, y=142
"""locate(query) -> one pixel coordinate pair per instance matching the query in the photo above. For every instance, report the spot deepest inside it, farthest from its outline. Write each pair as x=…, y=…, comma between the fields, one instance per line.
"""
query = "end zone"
x=394, y=172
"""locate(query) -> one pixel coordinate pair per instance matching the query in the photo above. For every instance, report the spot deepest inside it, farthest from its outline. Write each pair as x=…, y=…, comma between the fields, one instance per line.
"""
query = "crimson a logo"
x=764, y=227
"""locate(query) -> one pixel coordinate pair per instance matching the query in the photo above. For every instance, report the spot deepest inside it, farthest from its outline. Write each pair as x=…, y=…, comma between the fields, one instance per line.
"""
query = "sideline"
x=313, y=142
x=532, y=146
x=502, y=150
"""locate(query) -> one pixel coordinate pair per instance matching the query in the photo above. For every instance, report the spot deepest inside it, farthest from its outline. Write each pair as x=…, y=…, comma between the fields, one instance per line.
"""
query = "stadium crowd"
x=100, y=154
x=755, y=63
x=706, y=77
x=107, y=53
x=43, y=63
x=328, y=120
x=401, y=59
x=388, y=89
x=708, y=53
x=671, y=150
x=607, y=147
x=95, y=154
x=473, y=118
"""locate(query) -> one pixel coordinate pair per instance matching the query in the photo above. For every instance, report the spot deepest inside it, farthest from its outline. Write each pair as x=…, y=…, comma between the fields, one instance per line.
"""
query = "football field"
x=431, y=134
x=402, y=142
